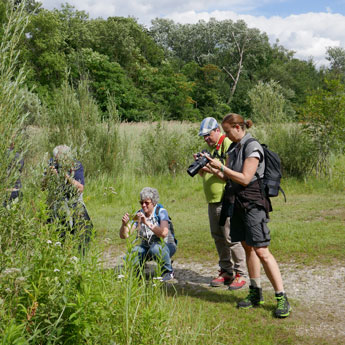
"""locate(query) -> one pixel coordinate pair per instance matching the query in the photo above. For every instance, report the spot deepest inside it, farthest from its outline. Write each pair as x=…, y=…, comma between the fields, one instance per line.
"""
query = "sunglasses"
x=145, y=202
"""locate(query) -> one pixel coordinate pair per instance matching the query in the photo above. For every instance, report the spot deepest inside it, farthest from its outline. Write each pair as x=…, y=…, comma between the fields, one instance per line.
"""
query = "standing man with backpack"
x=231, y=254
x=246, y=172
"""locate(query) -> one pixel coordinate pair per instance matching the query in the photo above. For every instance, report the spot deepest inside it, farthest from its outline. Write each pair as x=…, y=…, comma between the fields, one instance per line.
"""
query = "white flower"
x=154, y=285
x=120, y=276
x=49, y=242
x=58, y=243
x=74, y=258
x=158, y=278
x=8, y=290
x=56, y=270
x=11, y=270
x=68, y=272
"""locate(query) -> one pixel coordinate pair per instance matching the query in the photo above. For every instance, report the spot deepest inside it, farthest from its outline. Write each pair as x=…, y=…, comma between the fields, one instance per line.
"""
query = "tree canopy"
x=171, y=70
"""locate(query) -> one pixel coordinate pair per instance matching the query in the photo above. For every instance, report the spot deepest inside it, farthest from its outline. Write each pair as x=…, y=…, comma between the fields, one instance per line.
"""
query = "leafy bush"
x=294, y=146
x=167, y=151
x=269, y=103
x=324, y=121
x=75, y=120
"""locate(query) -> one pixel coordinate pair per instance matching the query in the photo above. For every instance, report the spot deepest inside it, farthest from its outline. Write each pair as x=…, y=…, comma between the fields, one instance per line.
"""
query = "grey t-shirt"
x=236, y=157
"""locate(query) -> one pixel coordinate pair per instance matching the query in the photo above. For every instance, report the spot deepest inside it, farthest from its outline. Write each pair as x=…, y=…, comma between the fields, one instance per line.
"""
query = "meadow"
x=50, y=293
x=307, y=231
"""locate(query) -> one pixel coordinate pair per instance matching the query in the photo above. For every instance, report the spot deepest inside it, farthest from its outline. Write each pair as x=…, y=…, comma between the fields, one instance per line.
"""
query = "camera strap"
x=220, y=142
x=216, y=151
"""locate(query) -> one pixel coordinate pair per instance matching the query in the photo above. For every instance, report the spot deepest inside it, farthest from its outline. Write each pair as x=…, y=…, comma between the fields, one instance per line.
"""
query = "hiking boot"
x=253, y=299
x=224, y=278
x=283, y=306
x=168, y=276
x=238, y=282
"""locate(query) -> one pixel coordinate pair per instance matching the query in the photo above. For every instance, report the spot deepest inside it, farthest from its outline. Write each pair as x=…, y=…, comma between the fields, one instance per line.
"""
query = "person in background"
x=231, y=254
x=152, y=224
x=250, y=211
x=65, y=182
x=16, y=166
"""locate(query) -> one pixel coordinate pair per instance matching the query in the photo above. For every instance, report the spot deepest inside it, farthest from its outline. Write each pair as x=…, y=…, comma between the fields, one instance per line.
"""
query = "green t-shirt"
x=213, y=186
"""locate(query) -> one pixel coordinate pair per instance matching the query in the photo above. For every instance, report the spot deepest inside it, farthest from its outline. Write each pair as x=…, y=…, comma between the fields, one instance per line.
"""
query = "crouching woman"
x=152, y=224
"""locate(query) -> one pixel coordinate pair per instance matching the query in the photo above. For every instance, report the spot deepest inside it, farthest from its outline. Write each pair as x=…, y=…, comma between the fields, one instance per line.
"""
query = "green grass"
x=308, y=230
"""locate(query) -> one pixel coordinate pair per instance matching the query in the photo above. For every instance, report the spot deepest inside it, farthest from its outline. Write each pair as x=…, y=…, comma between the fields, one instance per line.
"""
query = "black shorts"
x=250, y=226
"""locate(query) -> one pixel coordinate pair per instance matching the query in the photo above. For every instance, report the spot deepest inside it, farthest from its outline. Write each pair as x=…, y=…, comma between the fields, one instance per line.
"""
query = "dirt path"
x=318, y=294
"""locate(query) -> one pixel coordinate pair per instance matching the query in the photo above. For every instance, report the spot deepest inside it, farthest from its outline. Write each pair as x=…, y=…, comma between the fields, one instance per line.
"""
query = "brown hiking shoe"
x=224, y=278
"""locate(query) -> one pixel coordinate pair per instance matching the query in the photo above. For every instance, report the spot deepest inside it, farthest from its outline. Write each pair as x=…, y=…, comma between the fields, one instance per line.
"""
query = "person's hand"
x=207, y=169
x=125, y=219
x=214, y=163
x=142, y=218
x=53, y=170
x=195, y=156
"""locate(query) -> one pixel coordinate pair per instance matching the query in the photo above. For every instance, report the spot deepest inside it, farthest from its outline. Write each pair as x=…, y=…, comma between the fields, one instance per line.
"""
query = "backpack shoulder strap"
x=157, y=209
x=250, y=140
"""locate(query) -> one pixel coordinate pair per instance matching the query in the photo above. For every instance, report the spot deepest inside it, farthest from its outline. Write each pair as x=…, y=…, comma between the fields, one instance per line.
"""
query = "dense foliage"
x=66, y=79
x=170, y=70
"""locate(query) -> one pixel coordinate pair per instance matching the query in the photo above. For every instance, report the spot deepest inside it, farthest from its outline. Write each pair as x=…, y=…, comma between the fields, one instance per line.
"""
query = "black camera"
x=200, y=162
x=54, y=164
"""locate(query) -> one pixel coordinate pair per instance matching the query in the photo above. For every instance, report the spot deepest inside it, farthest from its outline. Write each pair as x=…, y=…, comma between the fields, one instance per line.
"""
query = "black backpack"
x=270, y=183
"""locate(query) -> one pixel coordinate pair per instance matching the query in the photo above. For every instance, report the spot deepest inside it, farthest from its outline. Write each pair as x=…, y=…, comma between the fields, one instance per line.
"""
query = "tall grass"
x=49, y=292
x=74, y=119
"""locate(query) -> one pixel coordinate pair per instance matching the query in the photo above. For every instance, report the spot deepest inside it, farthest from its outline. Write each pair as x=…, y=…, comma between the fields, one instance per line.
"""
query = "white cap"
x=207, y=125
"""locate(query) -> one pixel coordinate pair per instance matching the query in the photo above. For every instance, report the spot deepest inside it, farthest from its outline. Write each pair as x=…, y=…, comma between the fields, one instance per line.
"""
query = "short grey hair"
x=150, y=193
x=63, y=151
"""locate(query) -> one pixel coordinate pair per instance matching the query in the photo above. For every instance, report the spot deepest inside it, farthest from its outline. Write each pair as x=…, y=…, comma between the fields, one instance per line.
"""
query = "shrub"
x=165, y=150
x=75, y=120
x=269, y=104
x=324, y=121
x=294, y=146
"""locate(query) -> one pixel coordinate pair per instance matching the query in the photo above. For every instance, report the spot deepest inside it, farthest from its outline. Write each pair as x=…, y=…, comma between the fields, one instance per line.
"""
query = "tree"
x=268, y=102
x=324, y=118
x=236, y=49
x=107, y=79
x=125, y=42
x=336, y=57
x=300, y=76
x=44, y=50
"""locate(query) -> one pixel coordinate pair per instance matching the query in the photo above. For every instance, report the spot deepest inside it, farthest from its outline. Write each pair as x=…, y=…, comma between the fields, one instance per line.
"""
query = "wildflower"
x=154, y=285
x=58, y=243
x=74, y=258
x=68, y=272
x=49, y=242
x=20, y=279
x=8, y=290
x=56, y=270
x=120, y=276
x=158, y=278
x=11, y=270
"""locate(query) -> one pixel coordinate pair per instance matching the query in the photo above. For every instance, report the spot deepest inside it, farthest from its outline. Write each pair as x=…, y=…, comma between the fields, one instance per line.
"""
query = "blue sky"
x=304, y=26
x=285, y=8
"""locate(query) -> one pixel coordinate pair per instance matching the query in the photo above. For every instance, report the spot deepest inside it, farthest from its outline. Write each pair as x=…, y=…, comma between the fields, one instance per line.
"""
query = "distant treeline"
x=170, y=71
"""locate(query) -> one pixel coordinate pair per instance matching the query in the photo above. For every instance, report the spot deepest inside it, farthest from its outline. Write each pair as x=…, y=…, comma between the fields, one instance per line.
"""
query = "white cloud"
x=307, y=34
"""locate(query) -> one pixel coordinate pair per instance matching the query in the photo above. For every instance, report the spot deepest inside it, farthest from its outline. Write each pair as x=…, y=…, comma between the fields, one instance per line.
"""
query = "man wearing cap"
x=231, y=254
